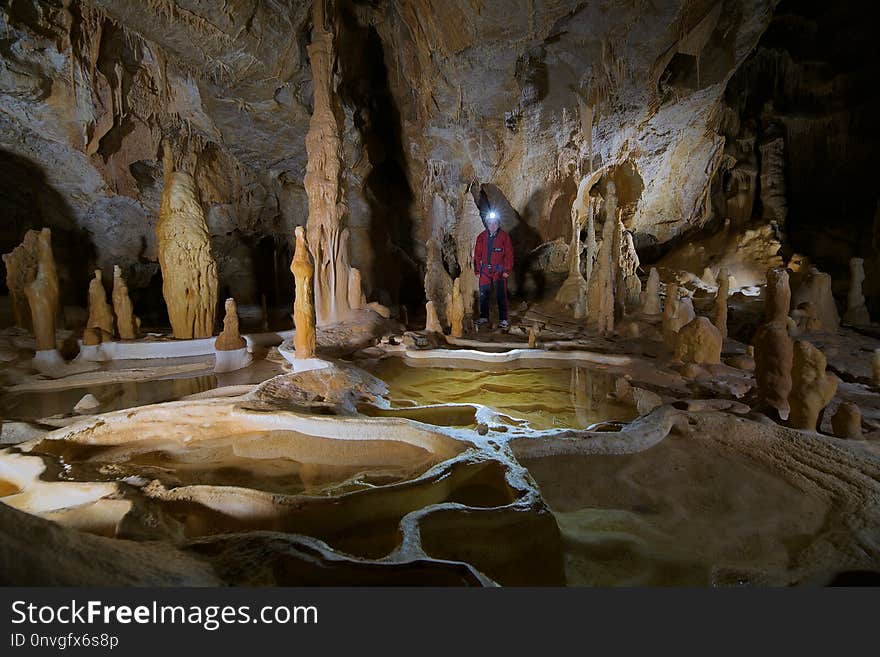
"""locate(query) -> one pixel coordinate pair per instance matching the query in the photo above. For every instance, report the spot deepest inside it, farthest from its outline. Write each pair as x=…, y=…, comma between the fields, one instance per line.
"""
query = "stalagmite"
x=811, y=387
x=677, y=313
x=189, y=272
x=303, y=306
x=438, y=283
x=456, y=310
x=575, y=288
x=323, y=181
x=42, y=294
x=230, y=338
x=629, y=265
x=21, y=268
x=651, y=296
x=591, y=250
x=127, y=323
x=773, y=346
x=815, y=287
x=698, y=341
x=432, y=322
x=856, y=312
x=847, y=421
x=100, y=313
x=534, y=332
x=601, y=289
x=356, y=297
x=709, y=278
x=721, y=303
x=875, y=368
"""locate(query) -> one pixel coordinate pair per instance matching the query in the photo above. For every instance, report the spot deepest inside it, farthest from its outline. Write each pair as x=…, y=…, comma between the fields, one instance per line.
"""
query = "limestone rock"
x=42, y=294
x=230, y=338
x=875, y=368
x=699, y=341
x=189, y=272
x=629, y=265
x=127, y=323
x=92, y=336
x=806, y=318
x=100, y=313
x=708, y=277
x=811, y=387
x=303, y=306
x=676, y=313
x=534, y=332
x=847, y=421
x=815, y=287
x=651, y=296
x=88, y=403
x=856, y=311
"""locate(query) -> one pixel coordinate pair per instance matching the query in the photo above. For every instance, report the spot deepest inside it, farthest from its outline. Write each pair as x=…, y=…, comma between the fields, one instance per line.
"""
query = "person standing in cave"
x=493, y=264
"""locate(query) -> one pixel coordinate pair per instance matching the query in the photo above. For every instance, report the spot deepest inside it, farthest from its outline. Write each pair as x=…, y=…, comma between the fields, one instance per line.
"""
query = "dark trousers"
x=500, y=293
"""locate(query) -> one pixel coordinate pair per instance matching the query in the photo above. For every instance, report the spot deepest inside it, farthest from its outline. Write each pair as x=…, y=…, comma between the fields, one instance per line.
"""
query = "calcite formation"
x=328, y=239
x=875, y=368
x=456, y=310
x=847, y=421
x=438, y=282
x=815, y=287
x=721, y=303
x=43, y=294
x=651, y=304
x=21, y=268
x=189, y=272
x=677, y=312
x=356, y=297
x=698, y=341
x=811, y=387
x=127, y=323
x=432, y=322
x=303, y=306
x=602, y=282
x=230, y=337
x=629, y=266
x=773, y=346
x=100, y=313
x=856, y=311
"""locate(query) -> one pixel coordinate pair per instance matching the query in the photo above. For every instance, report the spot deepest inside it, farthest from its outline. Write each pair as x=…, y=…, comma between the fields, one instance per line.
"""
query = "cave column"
x=327, y=206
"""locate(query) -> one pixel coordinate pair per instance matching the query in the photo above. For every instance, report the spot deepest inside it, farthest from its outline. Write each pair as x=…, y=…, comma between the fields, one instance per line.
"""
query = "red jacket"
x=491, y=266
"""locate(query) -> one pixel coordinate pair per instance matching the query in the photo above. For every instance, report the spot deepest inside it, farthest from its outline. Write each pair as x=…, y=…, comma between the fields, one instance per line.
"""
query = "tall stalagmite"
x=773, y=346
x=127, y=323
x=100, y=313
x=721, y=302
x=856, y=312
x=230, y=337
x=323, y=183
x=189, y=272
x=42, y=294
x=304, y=304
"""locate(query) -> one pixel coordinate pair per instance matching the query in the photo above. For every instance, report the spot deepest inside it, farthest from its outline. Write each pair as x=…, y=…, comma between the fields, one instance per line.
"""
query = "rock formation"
x=303, y=306
x=847, y=421
x=677, y=312
x=230, y=338
x=602, y=282
x=327, y=237
x=456, y=310
x=42, y=294
x=127, y=323
x=438, y=283
x=189, y=272
x=574, y=290
x=356, y=297
x=773, y=345
x=856, y=311
x=21, y=268
x=534, y=332
x=815, y=287
x=811, y=387
x=698, y=341
x=100, y=313
x=875, y=368
x=432, y=322
x=651, y=296
x=629, y=265
x=721, y=303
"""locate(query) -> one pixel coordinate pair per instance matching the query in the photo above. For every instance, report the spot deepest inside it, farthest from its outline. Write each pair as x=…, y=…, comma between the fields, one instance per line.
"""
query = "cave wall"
x=526, y=95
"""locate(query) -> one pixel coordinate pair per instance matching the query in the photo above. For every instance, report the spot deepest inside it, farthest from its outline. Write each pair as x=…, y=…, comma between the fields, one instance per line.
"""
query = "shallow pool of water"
x=545, y=397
